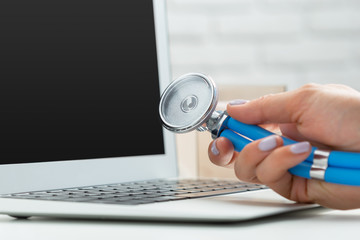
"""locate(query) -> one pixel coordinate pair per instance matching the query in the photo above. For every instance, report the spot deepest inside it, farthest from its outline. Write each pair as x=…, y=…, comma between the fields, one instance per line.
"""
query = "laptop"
x=80, y=84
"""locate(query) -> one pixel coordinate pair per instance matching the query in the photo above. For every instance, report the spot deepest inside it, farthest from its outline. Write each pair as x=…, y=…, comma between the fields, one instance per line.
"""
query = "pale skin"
x=326, y=116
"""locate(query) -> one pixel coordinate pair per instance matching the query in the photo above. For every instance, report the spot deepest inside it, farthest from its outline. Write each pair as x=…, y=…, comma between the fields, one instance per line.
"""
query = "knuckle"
x=308, y=90
x=301, y=99
x=261, y=104
x=310, y=86
x=265, y=97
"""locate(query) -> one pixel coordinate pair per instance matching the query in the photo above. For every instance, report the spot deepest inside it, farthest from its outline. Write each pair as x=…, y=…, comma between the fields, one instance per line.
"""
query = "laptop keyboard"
x=142, y=192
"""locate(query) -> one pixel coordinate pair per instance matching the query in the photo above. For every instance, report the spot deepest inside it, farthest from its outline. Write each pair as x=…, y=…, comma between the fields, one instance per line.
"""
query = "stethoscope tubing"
x=343, y=167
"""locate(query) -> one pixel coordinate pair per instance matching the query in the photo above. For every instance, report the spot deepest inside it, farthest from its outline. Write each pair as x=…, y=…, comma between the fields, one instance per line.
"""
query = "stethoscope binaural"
x=189, y=103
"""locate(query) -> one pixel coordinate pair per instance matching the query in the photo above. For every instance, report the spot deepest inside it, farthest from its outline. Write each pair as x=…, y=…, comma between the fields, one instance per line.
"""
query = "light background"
x=267, y=42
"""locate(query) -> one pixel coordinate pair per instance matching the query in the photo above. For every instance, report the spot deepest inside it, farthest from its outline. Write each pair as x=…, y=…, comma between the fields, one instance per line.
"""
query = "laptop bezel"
x=65, y=174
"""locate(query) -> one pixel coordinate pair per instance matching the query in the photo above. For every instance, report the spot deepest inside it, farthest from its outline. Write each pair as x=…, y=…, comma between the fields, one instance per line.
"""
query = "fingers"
x=267, y=162
x=273, y=170
x=252, y=155
x=221, y=152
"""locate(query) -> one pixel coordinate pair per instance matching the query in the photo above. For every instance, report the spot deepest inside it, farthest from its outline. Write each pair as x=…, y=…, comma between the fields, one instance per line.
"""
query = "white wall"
x=288, y=42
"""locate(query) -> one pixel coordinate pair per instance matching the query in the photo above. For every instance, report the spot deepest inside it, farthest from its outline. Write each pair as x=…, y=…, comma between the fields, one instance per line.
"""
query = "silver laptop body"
x=102, y=136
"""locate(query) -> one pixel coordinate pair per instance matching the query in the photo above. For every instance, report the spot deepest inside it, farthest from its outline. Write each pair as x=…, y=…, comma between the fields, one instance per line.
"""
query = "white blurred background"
x=267, y=42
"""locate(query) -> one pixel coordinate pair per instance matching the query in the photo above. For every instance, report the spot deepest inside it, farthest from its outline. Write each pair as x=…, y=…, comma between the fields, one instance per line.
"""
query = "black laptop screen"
x=78, y=80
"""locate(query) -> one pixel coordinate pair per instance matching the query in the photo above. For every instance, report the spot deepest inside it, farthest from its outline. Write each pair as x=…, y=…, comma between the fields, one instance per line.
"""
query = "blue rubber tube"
x=336, y=158
x=338, y=175
x=251, y=131
x=345, y=176
x=344, y=159
x=255, y=132
x=238, y=141
x=301, y=170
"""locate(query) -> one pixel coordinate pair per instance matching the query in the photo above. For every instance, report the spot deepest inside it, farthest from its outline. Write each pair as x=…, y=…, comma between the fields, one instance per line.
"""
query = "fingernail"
x=268, y=143
x=214, y=149
x=301, y=147
x=238, y=102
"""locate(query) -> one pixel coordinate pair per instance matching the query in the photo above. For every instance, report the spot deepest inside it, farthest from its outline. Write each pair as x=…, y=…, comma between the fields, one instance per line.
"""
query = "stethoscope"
x=189, y=103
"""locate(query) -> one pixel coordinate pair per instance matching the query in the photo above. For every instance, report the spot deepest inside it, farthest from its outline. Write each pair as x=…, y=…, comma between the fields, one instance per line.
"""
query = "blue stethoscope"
x=189, y=103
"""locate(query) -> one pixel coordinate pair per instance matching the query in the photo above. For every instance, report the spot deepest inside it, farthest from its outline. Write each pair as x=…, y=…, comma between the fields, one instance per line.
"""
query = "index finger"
x=272, y=108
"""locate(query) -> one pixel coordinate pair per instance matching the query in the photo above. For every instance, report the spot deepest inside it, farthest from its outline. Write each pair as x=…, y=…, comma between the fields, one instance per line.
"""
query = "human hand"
x=326, y=116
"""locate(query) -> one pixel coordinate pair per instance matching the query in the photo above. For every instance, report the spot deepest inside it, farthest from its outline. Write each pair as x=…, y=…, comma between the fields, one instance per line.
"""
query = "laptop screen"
x=78, y=80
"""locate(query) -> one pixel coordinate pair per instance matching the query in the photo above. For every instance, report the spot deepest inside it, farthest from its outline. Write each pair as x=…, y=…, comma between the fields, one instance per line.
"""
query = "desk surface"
x=309, y=224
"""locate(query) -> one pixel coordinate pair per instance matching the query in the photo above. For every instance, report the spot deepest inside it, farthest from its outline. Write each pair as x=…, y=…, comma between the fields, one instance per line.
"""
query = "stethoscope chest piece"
x=188, y=102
